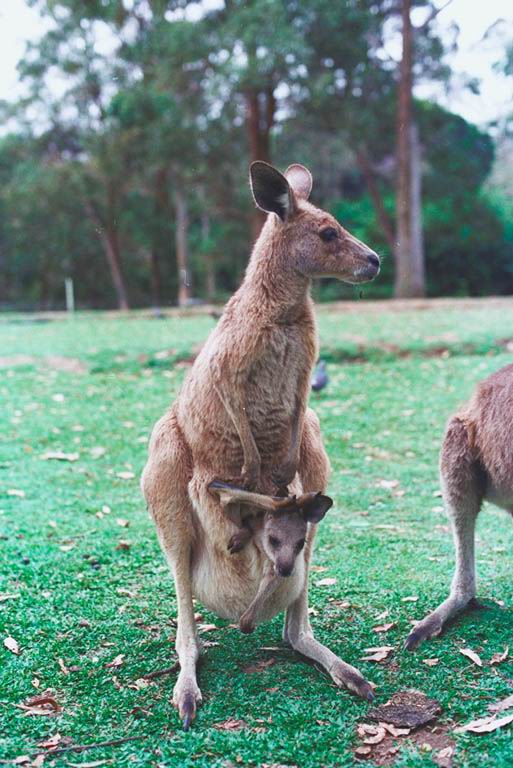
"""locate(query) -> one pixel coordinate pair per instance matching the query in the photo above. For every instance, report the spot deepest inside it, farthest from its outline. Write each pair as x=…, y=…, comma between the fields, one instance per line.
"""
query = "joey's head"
x=283, y=533
x=310, y=240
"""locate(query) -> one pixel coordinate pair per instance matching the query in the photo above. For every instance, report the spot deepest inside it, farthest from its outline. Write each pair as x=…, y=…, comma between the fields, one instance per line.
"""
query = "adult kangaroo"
x=242, y=417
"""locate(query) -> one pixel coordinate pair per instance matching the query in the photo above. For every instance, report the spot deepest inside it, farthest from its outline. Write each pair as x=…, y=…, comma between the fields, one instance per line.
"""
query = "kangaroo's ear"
x=271, y=190
x=314, y=509
x=300, y=179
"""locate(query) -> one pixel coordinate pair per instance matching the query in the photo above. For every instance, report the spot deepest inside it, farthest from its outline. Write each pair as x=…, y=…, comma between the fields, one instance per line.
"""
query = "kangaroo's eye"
x=328, y=234
x=274, y=542
x=300, y=545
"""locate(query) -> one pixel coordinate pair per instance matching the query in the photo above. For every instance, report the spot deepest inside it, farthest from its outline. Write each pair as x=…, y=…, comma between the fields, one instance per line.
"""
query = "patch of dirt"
x=13, y=361
x=53, y=362
x=66, y=364
x=405, y=721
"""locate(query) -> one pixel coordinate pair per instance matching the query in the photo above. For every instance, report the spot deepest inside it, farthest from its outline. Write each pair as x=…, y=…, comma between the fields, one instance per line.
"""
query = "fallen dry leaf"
x=63, y=667
x=230, y=725
x=125, y=592
x=393, y=731
x=16, y=492
x=207, y=628
x=388, y=484
x=498, y=658
x=122, y=522
x=43, y=704
x=485, y=724
x=472, y=655
x=406, y=709
x=60, y=456
x=125, y=475
x=384, y=627
x=409, y=599
x=325, y=582
x=50, y=743
x=500, y=706
x=378, y=654
x=117, y=661
x=259, y=666
x=430, y=662
x=12, y=645
x=362, y=751
x=123, y=545
x=371, y=734
x=8, y=596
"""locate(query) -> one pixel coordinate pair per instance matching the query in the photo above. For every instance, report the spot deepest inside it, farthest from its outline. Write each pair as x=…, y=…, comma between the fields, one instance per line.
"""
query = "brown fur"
x=476, y=463
x=242, y=416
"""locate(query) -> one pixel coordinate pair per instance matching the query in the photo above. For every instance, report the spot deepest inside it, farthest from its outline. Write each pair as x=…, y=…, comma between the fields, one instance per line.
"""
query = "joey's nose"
x=285, y=570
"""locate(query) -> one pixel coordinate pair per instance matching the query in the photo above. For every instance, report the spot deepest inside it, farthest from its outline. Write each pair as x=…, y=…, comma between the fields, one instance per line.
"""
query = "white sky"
x=475, y=57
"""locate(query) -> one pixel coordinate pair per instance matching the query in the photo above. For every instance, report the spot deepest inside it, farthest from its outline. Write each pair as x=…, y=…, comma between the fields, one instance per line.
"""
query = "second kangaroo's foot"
x=433, y=624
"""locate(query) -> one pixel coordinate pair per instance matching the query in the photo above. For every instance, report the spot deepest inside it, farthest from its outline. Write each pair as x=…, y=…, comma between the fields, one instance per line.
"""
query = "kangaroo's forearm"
x=233, y=399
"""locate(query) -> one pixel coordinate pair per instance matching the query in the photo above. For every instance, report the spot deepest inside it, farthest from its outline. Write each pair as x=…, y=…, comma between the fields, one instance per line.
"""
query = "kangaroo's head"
x=311, y=240
x=283, y=533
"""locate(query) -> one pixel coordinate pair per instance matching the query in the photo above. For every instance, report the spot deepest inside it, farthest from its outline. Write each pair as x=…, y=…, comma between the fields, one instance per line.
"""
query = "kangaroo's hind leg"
x=314, y=471
x=463, y=489
x=164, y=484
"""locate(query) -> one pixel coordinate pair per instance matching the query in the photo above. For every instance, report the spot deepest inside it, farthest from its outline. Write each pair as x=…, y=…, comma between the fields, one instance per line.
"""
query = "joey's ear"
x=300, y=179
x=271, y=190
x=315, y=509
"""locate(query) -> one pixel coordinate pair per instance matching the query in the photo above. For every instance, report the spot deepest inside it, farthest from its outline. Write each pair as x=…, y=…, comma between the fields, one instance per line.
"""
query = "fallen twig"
x=161, y=672
x=84, y=747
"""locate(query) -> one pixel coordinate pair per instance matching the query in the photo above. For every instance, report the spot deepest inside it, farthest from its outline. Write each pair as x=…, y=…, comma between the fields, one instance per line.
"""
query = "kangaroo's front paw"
x=284, y=474
x=250, y=476
x=237, y=542
x=247, y=622
x=186, y=698
x=344, y=675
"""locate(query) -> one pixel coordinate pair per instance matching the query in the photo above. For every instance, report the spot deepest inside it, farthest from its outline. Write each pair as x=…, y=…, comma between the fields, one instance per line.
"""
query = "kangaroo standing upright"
x=242, y=416
x=476, y=463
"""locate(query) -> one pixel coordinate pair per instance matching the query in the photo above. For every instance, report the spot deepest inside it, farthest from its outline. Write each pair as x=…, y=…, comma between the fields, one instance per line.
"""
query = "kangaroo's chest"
x=276, y=376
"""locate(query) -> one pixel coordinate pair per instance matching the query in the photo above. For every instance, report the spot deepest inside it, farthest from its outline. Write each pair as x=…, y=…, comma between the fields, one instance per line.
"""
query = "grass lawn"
x=83, y=582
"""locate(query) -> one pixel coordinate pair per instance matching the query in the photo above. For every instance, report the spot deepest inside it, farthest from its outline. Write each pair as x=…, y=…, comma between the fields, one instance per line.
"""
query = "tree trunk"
x=160, y=211
x=182, y=253
x=207, y=253
x=260, y=111
x=417, y=239
x=408, y=279
x=111, y=243
x=109, y=237
x=384, y=219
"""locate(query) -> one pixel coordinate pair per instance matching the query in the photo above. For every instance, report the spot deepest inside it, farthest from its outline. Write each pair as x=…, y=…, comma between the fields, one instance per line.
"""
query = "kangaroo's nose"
x=373, y=259
x=285, y=570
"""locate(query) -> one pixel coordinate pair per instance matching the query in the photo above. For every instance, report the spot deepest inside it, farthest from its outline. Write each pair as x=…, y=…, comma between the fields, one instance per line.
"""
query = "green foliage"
x=154, y=101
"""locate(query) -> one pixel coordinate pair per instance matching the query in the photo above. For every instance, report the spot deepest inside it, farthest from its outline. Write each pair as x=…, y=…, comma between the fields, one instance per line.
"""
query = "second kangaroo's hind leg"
x=463, y=489
x=164, y=484
x=314, y=469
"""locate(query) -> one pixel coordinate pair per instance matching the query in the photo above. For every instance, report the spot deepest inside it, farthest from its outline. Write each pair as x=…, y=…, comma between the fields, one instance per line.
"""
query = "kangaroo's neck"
x=271, y=284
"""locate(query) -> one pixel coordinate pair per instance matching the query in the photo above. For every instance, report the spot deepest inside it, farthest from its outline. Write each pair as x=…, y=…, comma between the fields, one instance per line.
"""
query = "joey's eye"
x=273, y=541
x=328, y=234
x=300, y=545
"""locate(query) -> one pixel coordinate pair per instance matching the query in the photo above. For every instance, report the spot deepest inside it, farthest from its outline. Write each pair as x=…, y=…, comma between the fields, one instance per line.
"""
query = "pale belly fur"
x=227, y=584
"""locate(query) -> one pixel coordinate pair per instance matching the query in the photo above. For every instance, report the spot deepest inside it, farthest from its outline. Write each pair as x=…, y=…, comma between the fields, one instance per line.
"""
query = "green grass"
x=382, y=418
